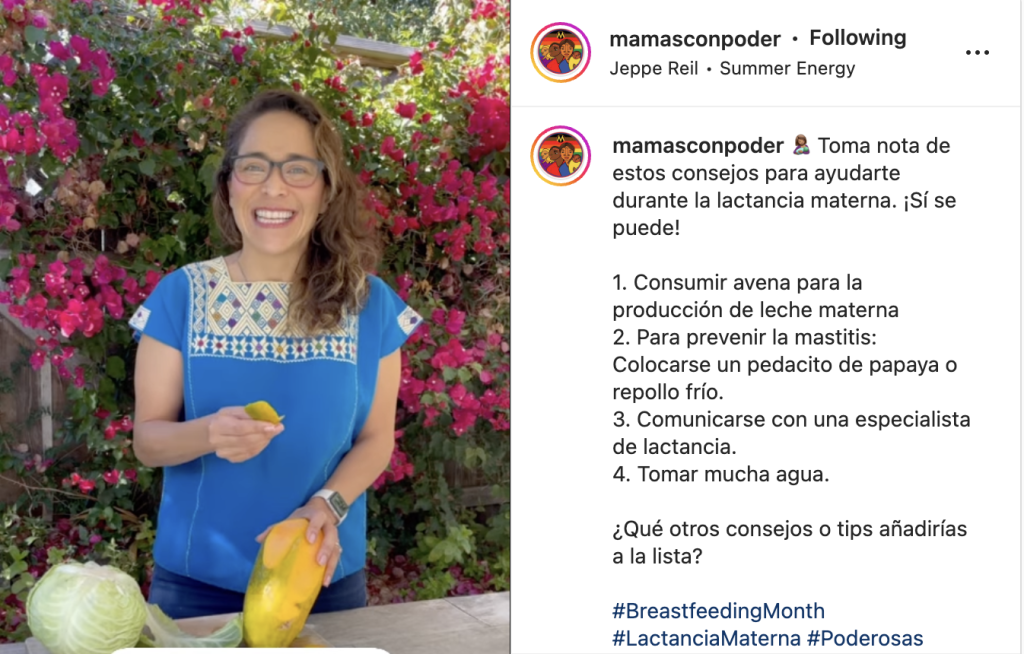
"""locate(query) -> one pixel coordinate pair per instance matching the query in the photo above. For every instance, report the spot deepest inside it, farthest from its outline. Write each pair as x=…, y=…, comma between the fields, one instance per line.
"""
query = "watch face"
x=339, y=504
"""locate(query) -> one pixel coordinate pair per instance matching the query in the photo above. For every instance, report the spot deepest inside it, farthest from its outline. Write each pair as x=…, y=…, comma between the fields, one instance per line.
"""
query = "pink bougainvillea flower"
x=416, y=63
x=406, y=109
x=59, y=50
x=53, y=87
x=11, y=141
x=100, y=87
x=80, y=45
x=484, y=9
x=455, y=321
x=388, y=149
x=38, y=357
x=491, y=122
x=31, y=141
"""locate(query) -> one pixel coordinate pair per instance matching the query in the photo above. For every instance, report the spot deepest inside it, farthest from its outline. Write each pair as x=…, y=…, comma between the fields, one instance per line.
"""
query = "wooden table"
x=474, y=624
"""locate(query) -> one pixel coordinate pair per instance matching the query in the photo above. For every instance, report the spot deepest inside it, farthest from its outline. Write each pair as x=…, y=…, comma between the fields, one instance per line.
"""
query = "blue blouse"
x=235, y=351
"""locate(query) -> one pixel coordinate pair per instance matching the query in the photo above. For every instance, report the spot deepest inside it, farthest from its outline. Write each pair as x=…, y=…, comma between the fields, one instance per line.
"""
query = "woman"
x=570, y=58
x=801, y=145
x=554, y=63
x=292, y=317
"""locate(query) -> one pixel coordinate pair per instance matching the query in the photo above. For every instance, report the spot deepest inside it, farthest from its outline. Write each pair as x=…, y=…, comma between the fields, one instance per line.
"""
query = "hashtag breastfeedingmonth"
x=731, y=611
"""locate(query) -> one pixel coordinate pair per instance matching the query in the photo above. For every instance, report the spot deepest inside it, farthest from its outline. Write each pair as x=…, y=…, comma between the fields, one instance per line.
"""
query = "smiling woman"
x=292, y=317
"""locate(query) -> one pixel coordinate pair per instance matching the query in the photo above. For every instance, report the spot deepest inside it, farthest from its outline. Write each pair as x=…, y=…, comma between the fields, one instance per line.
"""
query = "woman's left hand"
x=320, y=518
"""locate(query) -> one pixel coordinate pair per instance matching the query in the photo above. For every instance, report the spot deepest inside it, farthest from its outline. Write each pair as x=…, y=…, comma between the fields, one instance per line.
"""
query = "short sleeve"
x=163, y=314
x=397, y=319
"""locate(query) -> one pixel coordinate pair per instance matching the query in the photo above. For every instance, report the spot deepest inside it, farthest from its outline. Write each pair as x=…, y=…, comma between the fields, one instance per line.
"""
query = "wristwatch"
x=337, y=503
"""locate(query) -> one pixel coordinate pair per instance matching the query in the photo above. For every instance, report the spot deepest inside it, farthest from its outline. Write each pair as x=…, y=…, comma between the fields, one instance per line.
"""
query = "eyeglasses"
x=256, y=169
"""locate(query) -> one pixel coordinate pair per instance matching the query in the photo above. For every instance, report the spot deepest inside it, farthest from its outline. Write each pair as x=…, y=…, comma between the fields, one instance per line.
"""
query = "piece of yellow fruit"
x=263, y=411
x=306, y=641
x=285, y=583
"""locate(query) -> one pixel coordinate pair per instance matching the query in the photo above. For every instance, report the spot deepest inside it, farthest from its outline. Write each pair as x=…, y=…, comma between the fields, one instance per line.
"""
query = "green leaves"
x=451, y=549
x=209, y=171
x=35, y=35
x=147, y=166
x=475, y=456
x=115, y=367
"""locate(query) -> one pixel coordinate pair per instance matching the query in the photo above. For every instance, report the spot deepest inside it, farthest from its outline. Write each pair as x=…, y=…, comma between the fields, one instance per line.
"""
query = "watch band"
x=336, y=503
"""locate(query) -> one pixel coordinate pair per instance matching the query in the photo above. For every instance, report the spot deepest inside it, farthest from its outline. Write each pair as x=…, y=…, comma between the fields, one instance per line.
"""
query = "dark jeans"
x=183, y=597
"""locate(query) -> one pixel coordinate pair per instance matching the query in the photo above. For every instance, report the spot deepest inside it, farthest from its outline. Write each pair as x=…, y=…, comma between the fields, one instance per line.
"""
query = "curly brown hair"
x=342, y=249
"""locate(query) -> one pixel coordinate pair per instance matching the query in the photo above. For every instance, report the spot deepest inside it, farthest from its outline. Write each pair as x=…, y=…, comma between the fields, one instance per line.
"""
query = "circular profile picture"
x=560, y=52
x=560, y=156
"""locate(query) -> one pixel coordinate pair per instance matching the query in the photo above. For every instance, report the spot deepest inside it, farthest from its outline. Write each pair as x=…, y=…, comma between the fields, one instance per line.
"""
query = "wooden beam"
x=479, y=496
x=371, y=53
x=44, y=375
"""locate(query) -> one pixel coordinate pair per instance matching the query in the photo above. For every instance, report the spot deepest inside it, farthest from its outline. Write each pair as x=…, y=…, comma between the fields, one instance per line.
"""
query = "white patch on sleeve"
x=409, y=320
x=140, y=318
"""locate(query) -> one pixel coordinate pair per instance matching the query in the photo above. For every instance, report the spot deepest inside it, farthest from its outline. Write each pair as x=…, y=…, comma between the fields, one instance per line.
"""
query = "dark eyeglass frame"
x=276, y=164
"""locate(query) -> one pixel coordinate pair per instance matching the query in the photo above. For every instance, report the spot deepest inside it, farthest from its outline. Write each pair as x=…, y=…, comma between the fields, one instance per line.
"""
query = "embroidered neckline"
x=245, y=320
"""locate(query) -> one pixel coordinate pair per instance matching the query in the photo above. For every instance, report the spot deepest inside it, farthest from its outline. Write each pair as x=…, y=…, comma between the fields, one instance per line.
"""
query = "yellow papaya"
x=283, y=586
x=307, y=641
x=263, y=411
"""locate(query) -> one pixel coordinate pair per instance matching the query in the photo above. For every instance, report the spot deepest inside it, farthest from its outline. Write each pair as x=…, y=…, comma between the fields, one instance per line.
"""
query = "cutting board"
x=207, y=624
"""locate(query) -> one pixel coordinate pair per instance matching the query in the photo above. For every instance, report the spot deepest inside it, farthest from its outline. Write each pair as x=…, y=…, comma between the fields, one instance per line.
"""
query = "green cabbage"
x=78, y=608
x=86, y=608
x=167, y=633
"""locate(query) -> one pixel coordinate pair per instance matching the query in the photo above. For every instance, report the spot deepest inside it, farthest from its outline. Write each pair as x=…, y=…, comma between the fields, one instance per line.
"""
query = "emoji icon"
x=801, y=145
x=560, y=155
x=560, y=52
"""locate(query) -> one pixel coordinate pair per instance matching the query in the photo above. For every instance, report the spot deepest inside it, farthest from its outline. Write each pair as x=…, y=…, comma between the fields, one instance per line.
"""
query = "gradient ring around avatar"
x=560, y=52
x=560, y=155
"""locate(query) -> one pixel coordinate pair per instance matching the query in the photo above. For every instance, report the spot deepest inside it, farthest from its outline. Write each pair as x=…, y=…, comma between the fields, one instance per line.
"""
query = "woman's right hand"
x=237, y=437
